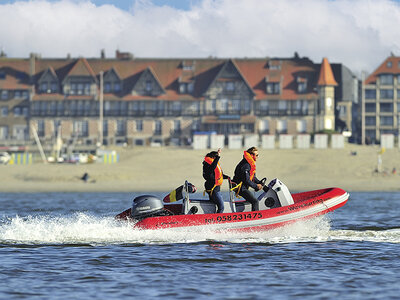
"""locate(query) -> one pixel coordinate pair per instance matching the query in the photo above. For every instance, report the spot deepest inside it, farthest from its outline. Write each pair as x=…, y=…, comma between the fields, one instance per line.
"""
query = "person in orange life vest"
x=245, y=174
x=214, y=176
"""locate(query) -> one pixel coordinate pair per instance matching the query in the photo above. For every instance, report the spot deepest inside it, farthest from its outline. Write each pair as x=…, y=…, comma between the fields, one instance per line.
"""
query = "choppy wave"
x=82, y=228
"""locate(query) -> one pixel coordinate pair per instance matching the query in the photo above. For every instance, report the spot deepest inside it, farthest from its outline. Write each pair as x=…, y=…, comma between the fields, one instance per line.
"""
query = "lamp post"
x=100, y=143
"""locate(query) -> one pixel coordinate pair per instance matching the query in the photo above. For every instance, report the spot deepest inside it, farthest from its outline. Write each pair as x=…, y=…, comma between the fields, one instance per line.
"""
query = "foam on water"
x=82, y=228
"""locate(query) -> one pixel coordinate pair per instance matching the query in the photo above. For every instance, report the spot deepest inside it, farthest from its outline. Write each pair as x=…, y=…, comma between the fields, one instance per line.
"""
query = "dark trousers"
x=216, y=197
x=249, y=196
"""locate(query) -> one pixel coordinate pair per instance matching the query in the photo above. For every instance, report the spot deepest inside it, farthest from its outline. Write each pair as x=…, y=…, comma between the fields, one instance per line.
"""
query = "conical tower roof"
x=325, y=74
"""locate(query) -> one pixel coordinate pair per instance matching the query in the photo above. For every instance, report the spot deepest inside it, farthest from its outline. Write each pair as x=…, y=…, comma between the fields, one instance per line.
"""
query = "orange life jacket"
x=217, y=171
x=250, y=160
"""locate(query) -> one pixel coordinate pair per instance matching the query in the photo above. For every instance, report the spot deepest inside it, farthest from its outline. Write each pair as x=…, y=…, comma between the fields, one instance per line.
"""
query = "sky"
x=361, y=34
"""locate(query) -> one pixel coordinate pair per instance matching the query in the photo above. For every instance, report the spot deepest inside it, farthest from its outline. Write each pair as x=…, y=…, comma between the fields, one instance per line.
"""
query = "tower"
x=326, y=92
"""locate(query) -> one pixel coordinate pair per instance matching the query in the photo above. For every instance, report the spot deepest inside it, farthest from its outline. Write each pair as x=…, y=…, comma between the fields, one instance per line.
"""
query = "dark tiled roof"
x=168, y=72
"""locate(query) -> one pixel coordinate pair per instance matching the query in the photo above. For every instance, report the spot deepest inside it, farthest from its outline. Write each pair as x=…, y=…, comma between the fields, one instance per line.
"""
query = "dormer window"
x=49, y=87
x=389, y=64
x=386, y=79
x=273, y=88
x=182, y=88
x=186, y=88
x=149, y=86
x=230, y=86
x=274, y=65
x=301, y=85
x=107, y=87
x=80, y=88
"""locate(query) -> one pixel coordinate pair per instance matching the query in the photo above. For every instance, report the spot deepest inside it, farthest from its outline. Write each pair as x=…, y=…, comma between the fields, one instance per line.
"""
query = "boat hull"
x=306, y=205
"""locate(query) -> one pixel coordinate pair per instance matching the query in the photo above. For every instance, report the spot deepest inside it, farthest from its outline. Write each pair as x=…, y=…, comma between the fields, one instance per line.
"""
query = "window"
x=157, y=127
x=264, y=105
x=25, y=94
x=190, y=87
x=389, y=64
x=273, y=88
x=305, y=107
x=107, y=87
x=139, y=125
x=182, y=88
x=121, y=128
x=236, y=105
x=54, y=87
x=43, y=87
x=370, y=94
x=80, y=88
x=4, y=94
x=370, y=121
x=370, y=107
x=282, y=105
x=177, y=126
x=386, y=121
x=17, y=111
x=386, y=107
x=40, y=129
x=81, y=128
x=301, y=86
x=3, y=132
x=196, y=125
x=386, y=94
x=223, y=105
x=2, y=75
x=149, y=86
x=281, y=126
x=386, y=79
x=117, y=87
x=264, y=126
x=230, y=86
x=301, y=126
x=105, y=128
x=176, y=107
x=4, y=111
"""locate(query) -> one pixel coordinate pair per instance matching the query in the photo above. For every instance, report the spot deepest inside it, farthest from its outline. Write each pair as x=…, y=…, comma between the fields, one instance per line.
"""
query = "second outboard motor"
x=147, y=206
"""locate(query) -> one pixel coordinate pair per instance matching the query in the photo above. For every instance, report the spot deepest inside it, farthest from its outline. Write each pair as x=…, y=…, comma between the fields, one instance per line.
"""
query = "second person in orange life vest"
x=214, y=176
x=245, y=174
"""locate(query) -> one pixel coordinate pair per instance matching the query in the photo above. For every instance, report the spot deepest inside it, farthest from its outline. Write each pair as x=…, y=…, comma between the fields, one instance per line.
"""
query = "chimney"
x=103, y=54
x=123, y=55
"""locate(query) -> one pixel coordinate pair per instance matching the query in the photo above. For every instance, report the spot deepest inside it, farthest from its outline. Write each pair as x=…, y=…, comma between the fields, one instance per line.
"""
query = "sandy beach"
x=164, y=169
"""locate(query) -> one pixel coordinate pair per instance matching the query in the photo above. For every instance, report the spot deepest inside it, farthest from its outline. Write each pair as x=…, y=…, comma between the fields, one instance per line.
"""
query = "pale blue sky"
x=127, y=4
x=358, y=33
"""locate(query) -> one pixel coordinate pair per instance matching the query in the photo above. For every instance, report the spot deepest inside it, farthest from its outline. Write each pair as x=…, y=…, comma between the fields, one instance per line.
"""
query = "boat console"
x=275, y=194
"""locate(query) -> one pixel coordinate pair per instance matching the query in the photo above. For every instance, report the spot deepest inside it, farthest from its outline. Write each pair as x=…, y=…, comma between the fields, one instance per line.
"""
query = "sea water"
x=69, y=246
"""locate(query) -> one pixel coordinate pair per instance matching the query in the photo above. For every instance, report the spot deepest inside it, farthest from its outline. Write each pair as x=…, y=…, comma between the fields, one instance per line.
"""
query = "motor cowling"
x=146, y=206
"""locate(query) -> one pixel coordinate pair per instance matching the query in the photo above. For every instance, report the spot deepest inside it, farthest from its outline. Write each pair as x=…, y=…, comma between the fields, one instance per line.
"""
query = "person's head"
x=212, y=154
x=253, y=151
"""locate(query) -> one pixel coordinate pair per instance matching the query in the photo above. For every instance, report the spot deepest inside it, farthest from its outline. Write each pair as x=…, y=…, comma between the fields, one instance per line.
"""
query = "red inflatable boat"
x=278, y=207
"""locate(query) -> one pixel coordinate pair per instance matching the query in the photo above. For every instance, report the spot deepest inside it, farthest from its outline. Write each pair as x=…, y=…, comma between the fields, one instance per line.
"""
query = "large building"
x=167, y=100
x=381, y=100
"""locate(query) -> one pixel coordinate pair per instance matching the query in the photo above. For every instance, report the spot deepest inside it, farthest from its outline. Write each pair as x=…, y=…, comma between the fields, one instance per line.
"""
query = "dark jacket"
x=242, y=174
x=209, y=174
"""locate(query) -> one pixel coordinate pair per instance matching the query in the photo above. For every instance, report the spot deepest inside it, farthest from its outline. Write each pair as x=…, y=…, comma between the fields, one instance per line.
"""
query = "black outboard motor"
x=148, y=206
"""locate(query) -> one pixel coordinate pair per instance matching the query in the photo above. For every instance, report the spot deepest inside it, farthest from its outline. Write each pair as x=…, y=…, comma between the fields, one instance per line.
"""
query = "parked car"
x=4, y=158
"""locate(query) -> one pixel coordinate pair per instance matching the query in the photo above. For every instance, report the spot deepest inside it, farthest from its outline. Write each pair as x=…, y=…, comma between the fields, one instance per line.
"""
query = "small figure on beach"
x=85, y=177
x=245, y=177
x=212, y=173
